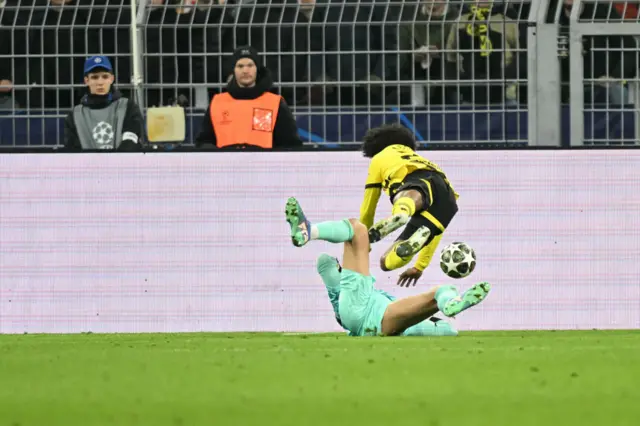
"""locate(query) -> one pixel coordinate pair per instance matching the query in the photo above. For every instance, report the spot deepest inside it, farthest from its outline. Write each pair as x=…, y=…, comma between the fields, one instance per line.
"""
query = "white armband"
x=130, y=136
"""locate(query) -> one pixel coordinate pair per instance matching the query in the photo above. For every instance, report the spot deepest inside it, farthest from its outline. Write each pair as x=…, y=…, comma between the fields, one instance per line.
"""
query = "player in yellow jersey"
x=420, y=193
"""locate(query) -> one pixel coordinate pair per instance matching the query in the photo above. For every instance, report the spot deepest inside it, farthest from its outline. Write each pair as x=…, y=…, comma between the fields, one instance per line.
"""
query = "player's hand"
x=409, y=277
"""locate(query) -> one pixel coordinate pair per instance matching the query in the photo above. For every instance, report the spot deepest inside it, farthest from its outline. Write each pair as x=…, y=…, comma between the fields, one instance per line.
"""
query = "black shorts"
x=440, y=203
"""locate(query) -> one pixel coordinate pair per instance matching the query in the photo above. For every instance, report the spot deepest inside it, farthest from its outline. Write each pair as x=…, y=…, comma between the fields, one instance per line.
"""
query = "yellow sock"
x=404, y=205
x=393, y=261
x=426, y=254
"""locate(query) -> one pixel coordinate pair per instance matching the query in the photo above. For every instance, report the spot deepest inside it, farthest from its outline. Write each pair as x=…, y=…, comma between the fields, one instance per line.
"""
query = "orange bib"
x=244, y=122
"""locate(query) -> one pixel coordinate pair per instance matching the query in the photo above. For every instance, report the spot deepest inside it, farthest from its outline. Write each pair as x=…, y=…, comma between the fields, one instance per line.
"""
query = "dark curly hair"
x=381, y=137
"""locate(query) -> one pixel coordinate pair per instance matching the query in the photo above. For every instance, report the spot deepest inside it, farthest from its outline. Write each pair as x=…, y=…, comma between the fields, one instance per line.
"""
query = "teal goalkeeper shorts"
x=361, y=308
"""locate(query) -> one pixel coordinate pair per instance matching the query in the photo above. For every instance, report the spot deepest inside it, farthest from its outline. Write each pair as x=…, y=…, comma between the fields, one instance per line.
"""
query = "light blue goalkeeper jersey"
x=331, y=278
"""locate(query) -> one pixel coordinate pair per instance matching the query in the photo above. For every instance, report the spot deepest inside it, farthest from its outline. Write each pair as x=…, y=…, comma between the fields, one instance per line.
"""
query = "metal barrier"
x=454, y=72
x=603, y=64
x=347, y=66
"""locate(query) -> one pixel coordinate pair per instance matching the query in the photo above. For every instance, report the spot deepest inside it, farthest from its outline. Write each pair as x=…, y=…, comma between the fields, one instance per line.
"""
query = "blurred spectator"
x=6, y=84
x=322, y=86
x=359, y=41
x=628, y=10
x=484, y=46
x=424, y=32
x=64, y=46
x=109, y=33
x=51, y=32
x=14, y=39
x=353, y=49
x=176, y=41
x=104, y=120
x=248, y=114
x=220, y=18
x=608, y=60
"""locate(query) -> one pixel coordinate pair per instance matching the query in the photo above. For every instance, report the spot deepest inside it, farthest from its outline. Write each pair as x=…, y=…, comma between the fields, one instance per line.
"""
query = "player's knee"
x=383, y=263
x=360, y=231
x=415, y=195
x=360, y=240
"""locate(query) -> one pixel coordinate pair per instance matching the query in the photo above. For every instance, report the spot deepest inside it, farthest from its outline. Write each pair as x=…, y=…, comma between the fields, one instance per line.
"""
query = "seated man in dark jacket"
x=104, y=120
x=247, y=114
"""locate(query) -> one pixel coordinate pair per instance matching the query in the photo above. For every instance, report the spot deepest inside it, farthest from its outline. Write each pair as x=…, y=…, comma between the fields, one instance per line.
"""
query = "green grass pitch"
x=507, y=378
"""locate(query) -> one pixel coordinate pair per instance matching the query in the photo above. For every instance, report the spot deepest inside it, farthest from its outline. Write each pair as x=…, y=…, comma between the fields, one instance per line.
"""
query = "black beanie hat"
x=245, y=52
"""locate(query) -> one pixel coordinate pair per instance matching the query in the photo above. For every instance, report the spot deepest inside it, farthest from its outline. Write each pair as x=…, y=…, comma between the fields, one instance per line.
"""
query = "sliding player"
x=361, y=309
x=420, y=193
x=329, y=270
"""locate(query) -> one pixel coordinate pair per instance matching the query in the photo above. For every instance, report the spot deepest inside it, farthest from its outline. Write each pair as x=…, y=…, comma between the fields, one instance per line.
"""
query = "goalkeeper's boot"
x=381, y=229
x=300, y=226
x=469, y=298
x=408, y=248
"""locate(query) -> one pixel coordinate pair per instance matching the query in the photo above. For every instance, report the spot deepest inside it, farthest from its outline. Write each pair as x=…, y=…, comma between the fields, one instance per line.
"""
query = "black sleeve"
x=71, y=139
x=206, y=136
x=133, y=123
x=285, y=132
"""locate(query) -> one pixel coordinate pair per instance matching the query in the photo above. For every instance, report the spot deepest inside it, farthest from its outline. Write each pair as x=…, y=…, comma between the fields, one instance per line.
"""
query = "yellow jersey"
x=387, y=170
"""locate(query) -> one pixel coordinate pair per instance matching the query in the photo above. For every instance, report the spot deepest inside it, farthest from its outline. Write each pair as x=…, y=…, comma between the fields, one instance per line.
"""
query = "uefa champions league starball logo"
x=103, y=135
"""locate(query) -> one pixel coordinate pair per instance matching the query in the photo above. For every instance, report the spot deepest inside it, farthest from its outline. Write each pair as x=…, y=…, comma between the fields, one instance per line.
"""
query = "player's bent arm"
x=207, y=135
x=132, y=129
x=372, y=191
x=71, y=138
x=369, y=204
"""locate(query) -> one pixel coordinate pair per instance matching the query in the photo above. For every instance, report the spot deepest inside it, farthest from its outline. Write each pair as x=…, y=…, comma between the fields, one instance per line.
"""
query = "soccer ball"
x=458, y=260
